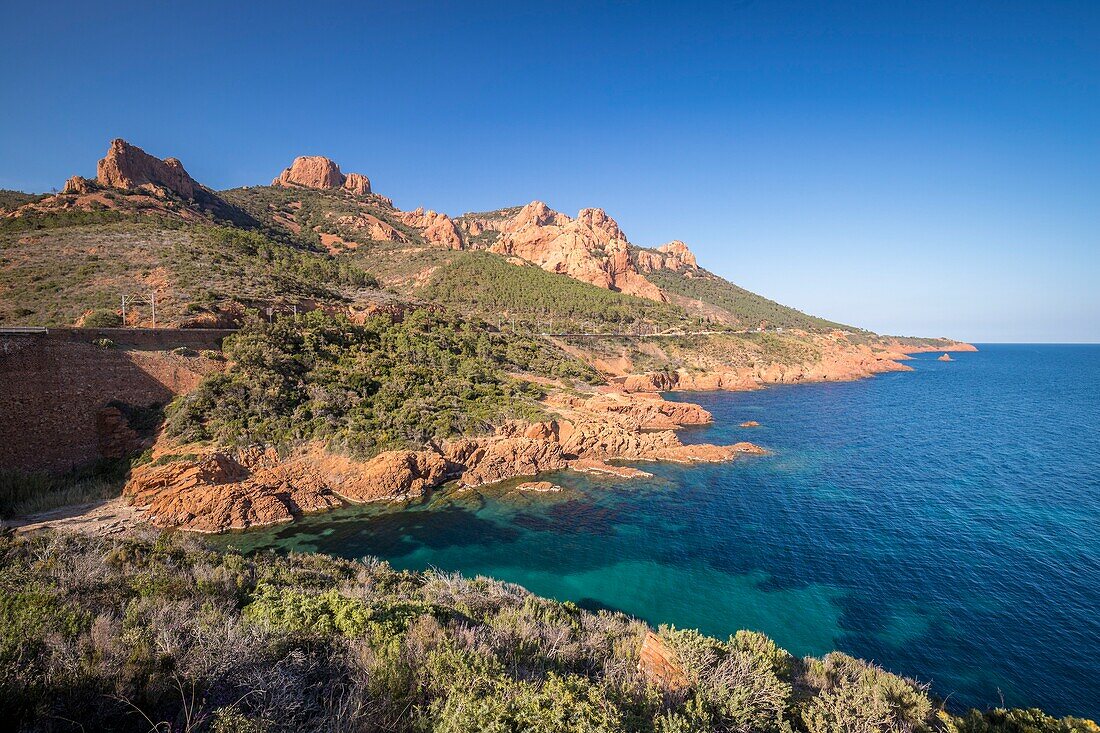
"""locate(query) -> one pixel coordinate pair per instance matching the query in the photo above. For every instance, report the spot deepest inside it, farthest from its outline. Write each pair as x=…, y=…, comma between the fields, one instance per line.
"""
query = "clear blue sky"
x=914, y=167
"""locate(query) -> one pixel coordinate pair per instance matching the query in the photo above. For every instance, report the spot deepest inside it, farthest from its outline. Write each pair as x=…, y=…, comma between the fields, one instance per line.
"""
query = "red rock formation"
x=218, y=491
x=486, y=461
x=945, y=357
x=646, y=410
x=591, y=248
x=311, y=171
x=357, y=183
x=679, y=256
x=674, y=255
x=316, y=171
x=660, y=664
x=750, y=424
x=129, y=167
x=438, y=229
x=78, y=185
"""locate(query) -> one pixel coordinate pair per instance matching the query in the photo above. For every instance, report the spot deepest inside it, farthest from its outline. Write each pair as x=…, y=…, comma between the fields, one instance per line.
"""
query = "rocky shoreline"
x=840, y=362
x=210, y=490
x=205, y=489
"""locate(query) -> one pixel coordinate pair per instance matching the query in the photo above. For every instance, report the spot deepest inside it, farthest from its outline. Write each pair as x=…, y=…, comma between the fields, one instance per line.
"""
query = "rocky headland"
x=300, y=242
x=205, y=489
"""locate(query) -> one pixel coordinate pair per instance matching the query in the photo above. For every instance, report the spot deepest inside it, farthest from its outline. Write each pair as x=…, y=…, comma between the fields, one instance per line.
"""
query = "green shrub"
x=365, y=387
x=150, y=631
x=292, y=610
x=102, y=318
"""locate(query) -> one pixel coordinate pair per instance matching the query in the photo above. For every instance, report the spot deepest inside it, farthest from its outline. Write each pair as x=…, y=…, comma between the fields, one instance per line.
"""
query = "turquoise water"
x=942, y=523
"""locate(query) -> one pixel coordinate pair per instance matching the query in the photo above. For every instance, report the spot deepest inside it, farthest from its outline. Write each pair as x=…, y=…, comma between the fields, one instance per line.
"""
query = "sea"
x=944, y=523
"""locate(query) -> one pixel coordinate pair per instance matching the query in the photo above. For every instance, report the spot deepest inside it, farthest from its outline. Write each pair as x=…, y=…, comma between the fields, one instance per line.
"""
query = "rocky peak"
x=437, y=228
x=603, y=225
x=317, y=171
x=357, y=183
x=679, y=256
x=673, y=255
x=537, y=213
x=129, y=167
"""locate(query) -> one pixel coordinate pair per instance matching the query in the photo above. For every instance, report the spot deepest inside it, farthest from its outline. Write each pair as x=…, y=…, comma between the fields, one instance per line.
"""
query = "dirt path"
x=99, y=518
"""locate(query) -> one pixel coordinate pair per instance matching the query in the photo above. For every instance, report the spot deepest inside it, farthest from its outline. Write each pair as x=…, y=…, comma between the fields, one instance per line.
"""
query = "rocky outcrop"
x=218, y=490
x=673, y=255
x=679, y=256
x=661, y=666
x=645, y=410
x=78, y=185
x=945, y=357
x=591, y=248
x=129, y=167
x=357, y=183
x=489, y=460
x=749, y=424
x=539, y=487
x=316, y=171
x=438, y=229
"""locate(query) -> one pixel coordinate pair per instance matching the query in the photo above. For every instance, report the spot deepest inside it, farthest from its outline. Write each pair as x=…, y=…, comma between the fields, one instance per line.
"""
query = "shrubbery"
x=488, y=284
x=366, y=387
x=158, y=632
x=101, y=318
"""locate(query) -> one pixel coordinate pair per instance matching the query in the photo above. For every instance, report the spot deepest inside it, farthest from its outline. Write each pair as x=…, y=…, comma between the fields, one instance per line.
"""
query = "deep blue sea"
x=942, y=522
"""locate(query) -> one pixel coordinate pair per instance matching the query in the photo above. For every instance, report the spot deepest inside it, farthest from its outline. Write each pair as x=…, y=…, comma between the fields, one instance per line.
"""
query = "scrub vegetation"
x=159, y=632
x=488, y=284
x=748, y=308
x=51, y=275
x=370, y=387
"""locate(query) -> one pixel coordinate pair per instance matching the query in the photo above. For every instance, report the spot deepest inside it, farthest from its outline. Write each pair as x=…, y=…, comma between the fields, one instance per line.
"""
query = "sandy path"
x=100, y=518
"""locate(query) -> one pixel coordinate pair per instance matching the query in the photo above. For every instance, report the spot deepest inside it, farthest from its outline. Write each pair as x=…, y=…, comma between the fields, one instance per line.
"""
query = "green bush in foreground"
x=151, y=631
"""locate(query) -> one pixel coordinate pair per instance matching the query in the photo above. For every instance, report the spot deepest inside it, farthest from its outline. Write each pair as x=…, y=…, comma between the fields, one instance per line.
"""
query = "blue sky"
x=926, y=168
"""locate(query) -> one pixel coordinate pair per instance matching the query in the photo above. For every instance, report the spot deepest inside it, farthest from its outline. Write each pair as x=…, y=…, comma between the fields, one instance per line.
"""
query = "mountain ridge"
x=345, y=214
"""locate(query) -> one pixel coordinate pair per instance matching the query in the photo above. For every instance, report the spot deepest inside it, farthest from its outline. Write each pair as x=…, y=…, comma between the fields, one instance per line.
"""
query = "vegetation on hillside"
x=158, y=632
x=367, y=388
x=315, y=211
x=748, y=308
x=51, y=275
x=10, y=200
x=490, y=285
x=23, y=494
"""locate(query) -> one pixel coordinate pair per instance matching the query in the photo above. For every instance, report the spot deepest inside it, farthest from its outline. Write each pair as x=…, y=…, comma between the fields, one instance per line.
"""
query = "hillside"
x=318, y=237
x=705, y=293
